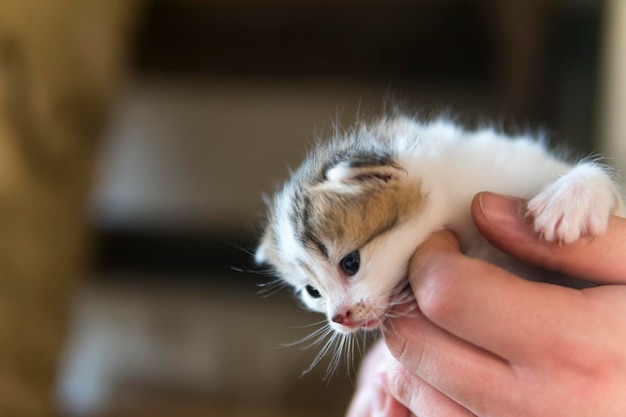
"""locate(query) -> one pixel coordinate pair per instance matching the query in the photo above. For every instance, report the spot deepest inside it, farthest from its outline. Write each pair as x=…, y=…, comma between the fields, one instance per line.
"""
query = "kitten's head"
x=334, y=231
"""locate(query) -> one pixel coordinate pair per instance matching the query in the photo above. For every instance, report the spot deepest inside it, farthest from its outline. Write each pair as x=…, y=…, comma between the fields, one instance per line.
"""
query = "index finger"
x=598, y=259
x=487, y=305
x=439, y=341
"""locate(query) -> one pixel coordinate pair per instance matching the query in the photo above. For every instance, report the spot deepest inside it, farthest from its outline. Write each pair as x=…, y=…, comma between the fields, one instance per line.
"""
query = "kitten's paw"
x=576, y=204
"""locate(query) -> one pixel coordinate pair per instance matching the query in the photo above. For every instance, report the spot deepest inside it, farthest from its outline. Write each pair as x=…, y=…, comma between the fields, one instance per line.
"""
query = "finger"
x=372, y=399
x=370, y=395
x=486, y=305
x=363, y=404
x=393, y=408
x=373, y=365
x=456, y=368
x=594, y=258
x=419, y=397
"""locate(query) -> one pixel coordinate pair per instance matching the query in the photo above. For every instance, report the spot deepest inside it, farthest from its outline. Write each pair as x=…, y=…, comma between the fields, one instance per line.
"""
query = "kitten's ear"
x=357, y=173
x=261, y=253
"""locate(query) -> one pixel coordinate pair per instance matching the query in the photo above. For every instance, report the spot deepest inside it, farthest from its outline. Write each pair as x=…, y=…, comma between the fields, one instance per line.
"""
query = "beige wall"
x=202, y=153
x=613, y=95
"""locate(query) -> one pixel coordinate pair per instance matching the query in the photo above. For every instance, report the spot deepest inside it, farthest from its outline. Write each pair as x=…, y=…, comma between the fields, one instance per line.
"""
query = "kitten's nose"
x=342, y=318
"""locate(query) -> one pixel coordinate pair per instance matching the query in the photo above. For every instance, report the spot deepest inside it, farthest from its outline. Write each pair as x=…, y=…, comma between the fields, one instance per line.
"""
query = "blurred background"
x=138, y=138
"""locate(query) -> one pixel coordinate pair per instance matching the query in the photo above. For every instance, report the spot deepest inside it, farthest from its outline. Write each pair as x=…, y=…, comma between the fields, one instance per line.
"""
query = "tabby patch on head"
x=360, y=202
x=340, y=199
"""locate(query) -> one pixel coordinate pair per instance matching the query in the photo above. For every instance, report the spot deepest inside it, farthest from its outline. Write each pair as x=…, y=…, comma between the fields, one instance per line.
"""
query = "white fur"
x=575, y=204
x=452, y=165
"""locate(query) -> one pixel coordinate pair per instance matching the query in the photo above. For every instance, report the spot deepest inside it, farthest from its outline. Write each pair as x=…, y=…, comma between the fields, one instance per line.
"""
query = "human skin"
x=485, y=342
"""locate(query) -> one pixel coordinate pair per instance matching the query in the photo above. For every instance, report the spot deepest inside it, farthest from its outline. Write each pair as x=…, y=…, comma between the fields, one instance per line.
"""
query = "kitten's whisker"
x=314, y=334
x=249, y=270
x=239, y=247
x=409, y=296
x=270, y=288
x=321, y=353
x=402, y=293
x=318, y=335
x=323, y=322
x=349, y=352
x=383, y=325
x=317, y=341
x=391, y=328
x=400, y=287
x=406, y=310
x=272, y=283
x=243, y=269
x=361, y=346
x=336, y=358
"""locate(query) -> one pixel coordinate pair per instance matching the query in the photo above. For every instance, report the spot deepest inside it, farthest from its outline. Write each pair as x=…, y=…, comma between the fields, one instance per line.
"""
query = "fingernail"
x=501, y=209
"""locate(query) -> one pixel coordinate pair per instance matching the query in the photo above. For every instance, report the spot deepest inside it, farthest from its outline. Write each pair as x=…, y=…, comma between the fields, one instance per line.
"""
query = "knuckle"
x=398, y=346
x=438, y=292
x=401, y=383
x=406, y=354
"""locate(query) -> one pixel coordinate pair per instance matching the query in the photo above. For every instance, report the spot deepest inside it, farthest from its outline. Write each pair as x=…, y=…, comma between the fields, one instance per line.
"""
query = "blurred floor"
x=211, y=349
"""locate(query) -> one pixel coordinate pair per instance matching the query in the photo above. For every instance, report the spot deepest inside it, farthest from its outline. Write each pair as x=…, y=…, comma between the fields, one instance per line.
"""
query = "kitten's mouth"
x=402, y=293
x=372, y=324
x=377, y=322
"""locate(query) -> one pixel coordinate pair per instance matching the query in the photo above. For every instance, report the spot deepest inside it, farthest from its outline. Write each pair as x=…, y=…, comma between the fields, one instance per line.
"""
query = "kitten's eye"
x=350, y=263
x=312, y=292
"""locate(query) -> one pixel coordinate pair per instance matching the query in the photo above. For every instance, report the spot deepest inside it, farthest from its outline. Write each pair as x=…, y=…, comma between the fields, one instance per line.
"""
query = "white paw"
x=576, y=204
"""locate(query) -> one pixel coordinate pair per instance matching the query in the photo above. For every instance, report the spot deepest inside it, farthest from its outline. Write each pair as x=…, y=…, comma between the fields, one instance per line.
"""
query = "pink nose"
x=342, y=318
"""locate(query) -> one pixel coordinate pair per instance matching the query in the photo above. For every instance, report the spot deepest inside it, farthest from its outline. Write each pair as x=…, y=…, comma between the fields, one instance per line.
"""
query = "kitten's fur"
x=382, y=189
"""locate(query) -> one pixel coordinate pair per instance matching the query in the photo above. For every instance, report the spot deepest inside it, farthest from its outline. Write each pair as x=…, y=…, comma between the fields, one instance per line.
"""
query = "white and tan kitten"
x=342, y=229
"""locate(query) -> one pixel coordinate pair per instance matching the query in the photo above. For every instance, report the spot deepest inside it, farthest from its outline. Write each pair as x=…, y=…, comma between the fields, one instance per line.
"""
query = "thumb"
x=595, y=258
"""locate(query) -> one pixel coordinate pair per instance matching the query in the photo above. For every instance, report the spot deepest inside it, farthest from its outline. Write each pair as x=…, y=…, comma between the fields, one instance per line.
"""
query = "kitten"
x=342, y=229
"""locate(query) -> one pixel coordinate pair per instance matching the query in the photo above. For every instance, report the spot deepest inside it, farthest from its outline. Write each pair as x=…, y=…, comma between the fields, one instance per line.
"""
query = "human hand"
x=485, y=342
x=565, y=356
x=371, y=395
